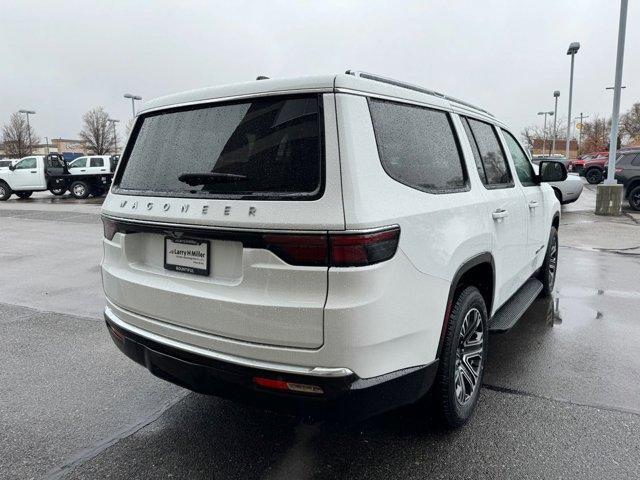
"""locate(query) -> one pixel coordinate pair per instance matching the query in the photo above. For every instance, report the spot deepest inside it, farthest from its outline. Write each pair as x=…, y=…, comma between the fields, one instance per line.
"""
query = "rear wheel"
x=58, y=191
x=593, y=176
x=547, y=274
x=5, y=192
x=459, y=378
x=634, y=198
x=79, y=190
x=24, y=194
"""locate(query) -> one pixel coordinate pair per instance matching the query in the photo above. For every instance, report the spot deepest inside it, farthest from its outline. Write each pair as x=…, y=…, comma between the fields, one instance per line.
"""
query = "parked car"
x=568, y=190
x=38, y=173
x=551, y=158
x=577, y=165
x=93, y=164
x=340, y=246
x=628, y=173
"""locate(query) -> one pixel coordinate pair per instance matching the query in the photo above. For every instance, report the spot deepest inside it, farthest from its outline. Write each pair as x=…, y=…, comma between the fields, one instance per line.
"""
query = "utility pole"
x=556, y=94
x=581, y=117
x=113, y=122
x=544, y=130
x=609, y=195
x=573, y=49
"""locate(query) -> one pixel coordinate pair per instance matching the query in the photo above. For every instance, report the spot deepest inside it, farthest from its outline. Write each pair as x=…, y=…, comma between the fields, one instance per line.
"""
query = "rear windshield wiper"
x=194, y=179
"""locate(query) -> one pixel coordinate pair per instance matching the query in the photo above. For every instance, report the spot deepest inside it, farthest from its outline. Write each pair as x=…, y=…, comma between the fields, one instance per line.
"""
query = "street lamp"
x=581, y=117
x=133, y=99
x=556, y=94
x=27, y=113
x=113, y=122
x=544, y=130
x=573, y=49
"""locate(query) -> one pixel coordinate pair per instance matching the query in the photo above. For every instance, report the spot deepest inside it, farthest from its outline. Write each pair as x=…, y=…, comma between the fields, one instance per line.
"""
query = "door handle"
x=34, y=171
x=83, y=170
x=103, y=169
x=499, y=214
x=534, y=204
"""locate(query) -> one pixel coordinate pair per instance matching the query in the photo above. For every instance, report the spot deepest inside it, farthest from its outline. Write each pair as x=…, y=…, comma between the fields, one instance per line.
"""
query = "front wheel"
x=5, y=192
x=80, y=190
x=23, y=194
x=634, y=198
x=459, y=377
x=547, y=274
x=594, y=176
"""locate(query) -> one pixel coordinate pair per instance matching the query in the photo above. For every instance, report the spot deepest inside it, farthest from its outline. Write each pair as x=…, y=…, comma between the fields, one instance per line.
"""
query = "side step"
x=509, y=314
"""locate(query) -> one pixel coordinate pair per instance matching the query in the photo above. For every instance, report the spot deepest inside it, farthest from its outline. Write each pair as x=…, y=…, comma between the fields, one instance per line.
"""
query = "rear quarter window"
x=266, y=148
x=417, y=146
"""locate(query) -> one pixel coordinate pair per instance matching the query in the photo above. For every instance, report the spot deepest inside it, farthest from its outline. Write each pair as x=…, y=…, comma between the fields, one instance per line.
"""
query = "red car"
x=590, y=166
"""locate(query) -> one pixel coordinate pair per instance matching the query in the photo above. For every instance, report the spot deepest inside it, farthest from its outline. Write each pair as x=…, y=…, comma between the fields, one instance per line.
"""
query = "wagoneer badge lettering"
x=184, y=208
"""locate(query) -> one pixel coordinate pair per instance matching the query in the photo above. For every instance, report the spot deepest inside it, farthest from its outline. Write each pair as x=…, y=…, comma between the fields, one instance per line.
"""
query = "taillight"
x=335, y=249
x=354, y=250
x=110, y=228
x=619, y=170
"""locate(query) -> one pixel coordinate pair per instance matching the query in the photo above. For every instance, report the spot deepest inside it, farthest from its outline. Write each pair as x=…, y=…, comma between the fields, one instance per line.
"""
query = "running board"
x=509, y=314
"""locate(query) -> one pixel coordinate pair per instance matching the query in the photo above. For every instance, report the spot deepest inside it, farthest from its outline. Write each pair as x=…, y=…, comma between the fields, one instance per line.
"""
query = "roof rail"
x=409, y=86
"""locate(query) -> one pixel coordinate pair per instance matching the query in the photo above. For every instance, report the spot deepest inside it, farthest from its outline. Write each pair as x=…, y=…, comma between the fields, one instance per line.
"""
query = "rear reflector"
x=110, y=228
x=336, y=249
x=287, y=386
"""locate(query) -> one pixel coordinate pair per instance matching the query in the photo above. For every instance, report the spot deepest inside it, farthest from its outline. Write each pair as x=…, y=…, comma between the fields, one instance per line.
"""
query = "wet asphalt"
x=561, y=397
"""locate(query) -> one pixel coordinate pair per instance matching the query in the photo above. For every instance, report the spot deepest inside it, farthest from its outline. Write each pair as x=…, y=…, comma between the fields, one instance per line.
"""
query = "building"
x=560, y=147
x=69, y=148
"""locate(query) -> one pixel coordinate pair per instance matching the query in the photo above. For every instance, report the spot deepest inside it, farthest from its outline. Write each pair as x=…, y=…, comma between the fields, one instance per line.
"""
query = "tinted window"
x=96, y=162
x=27, y=163
x=79, y=163
x=417, y=146
x=270, y=147
x=635, y=161
x=524, y=170
x=493, y=160
x=5, y=163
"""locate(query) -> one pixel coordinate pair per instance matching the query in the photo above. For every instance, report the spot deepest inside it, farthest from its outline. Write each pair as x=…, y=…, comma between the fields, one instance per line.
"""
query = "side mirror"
x=12, y=167
x=552, y=171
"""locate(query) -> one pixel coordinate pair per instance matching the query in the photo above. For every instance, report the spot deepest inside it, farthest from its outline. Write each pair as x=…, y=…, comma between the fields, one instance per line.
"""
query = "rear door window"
x=490, y=154
x=267, y=148
x=96, y=162
x=417, y=146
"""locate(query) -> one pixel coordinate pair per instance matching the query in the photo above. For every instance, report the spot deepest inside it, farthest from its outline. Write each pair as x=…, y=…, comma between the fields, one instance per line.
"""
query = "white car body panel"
x=25, y=179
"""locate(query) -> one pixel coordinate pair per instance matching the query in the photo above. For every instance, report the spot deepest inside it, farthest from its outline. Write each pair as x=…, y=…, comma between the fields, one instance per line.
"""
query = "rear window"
x=417, y=146
x=265, y=148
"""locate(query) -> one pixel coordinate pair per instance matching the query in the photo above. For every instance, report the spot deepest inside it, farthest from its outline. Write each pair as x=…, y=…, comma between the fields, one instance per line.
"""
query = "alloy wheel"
x=78, y=190
x=468, y=366
x=2, y=191
x=553, y=262
x=635, y=200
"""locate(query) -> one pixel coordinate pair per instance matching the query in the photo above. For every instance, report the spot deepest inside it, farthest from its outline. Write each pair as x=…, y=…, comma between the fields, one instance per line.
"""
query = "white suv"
x=334, y=245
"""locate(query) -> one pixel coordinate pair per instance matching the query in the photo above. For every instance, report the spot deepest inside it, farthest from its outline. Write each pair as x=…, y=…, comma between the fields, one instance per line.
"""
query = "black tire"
x=5, y=192
x=594, y=176
x=58, y=191
x=80, y=190
x=454, y=395
x=549, y=269
x=23, y=194
x=634, y=198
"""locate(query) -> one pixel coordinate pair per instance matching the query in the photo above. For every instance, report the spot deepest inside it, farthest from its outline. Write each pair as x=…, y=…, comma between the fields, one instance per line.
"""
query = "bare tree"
x=595, y=134
x=630, y=123
x=96, y=132
x=18, y=140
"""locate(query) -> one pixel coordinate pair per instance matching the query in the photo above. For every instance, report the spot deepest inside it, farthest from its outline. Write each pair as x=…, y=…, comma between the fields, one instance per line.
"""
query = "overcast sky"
x=62, y=58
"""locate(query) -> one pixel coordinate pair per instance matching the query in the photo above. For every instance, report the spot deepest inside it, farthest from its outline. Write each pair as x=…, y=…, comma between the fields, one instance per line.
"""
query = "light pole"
x=573, y=49
x=544, y=130
x=113, y=122
x=27, y=113
x=133, y=99
x=556, y=94
x=581, y=117
x=613, y=139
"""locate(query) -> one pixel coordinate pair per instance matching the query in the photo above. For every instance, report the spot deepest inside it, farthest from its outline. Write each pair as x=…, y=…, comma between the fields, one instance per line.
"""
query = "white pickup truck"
x=38, y=173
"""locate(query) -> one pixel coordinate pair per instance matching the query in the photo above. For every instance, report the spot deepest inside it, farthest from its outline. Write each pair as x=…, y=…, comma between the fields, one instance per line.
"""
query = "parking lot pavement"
x=561, y=397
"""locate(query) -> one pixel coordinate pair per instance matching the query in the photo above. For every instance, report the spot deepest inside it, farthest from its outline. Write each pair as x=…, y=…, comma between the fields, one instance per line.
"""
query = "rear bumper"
x=345, y=395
